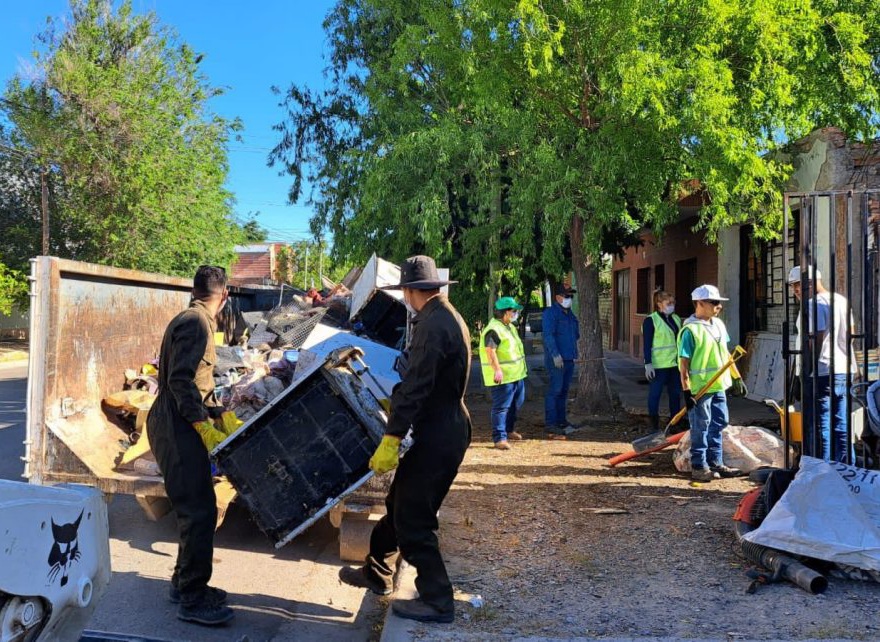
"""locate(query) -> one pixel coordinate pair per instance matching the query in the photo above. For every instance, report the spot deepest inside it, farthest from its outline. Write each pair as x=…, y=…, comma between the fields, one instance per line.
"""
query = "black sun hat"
x=419, y=273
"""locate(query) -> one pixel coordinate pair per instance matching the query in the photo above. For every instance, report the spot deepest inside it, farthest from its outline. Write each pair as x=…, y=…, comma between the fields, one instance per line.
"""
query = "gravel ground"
x=558, y=545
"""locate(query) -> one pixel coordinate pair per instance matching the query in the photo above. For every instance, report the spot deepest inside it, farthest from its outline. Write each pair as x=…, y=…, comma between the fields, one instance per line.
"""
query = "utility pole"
x=44, y=202
x=306, y=271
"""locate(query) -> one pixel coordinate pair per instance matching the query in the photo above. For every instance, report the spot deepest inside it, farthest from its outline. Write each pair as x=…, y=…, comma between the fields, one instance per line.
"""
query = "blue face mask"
x=566, y=302
x=669, y=309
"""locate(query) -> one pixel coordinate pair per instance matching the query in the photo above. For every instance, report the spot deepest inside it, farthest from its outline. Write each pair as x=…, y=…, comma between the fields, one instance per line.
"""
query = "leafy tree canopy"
x=538, y=134
x=116, y=113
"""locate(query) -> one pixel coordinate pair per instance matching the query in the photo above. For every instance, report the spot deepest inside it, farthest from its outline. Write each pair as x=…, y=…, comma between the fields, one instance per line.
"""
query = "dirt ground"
x=558, y=544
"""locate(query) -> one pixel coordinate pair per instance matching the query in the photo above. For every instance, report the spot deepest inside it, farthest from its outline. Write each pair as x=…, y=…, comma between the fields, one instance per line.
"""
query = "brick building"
x=257, y=264
x=747, y=270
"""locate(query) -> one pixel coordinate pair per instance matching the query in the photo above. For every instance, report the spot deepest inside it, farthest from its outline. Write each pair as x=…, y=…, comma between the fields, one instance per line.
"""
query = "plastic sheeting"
x=831, y=512
x=744, y=447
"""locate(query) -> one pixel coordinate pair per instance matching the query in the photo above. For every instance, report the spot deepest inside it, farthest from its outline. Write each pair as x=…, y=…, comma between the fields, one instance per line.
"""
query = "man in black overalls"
x=181, y=434
x=430, y=399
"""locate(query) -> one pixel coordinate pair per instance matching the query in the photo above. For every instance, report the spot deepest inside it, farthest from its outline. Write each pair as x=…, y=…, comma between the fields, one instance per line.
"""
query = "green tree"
x=13, y=290
x=553, y=131
x=252, y=231
x=117, y=118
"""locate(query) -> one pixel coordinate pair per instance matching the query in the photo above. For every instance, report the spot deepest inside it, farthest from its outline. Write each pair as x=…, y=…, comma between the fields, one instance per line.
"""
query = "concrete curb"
x=397, y=629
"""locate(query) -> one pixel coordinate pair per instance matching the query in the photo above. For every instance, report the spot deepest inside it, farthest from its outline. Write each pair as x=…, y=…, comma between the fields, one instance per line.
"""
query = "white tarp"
x=831, y=512
x=743, y=447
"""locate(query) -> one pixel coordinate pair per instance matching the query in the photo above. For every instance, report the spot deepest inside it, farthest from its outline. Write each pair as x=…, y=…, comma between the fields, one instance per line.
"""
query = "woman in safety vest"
x=503, y=362
x=702, y=352
x=660, y=334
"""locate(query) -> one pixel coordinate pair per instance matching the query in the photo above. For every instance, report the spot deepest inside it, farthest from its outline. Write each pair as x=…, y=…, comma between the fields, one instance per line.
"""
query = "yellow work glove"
x=385, y=457
x=228, y=423
x=211, y=437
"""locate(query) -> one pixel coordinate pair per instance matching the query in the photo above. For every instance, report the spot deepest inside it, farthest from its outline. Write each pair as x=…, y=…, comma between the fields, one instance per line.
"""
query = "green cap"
x=507, y=303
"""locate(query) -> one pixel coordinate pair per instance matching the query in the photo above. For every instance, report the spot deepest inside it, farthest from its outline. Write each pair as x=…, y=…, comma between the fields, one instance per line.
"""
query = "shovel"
x=657, y=438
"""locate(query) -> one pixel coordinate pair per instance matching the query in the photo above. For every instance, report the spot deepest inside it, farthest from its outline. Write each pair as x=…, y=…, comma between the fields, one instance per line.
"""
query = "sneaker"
x=569, y=428
x=726, y=471
x=557, y=436
x=514, y=436
x=502, y=445
x=704, y=475
x=359, y=577
x=218, y=596
x=420, y=612
x=205, y=612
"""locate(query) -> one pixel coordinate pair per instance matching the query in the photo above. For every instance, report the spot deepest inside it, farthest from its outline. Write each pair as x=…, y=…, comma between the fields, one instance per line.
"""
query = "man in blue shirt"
x=560, y=335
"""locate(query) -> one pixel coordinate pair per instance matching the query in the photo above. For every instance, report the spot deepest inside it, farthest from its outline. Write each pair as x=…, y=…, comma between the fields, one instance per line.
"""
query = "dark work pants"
x=186, y=468
x=410, y=526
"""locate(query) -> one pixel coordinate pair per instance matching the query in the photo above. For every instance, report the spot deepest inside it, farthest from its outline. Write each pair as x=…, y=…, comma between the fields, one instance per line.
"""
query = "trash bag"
x=744, y=447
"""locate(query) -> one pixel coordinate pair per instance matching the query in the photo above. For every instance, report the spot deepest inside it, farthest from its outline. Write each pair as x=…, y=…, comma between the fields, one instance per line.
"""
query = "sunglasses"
x=713, y=302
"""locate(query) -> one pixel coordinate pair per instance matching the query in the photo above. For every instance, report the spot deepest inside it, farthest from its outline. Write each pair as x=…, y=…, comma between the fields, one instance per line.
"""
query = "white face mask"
x=669, y=309
x=566, y=302
x=514, y=316
x=409, y=307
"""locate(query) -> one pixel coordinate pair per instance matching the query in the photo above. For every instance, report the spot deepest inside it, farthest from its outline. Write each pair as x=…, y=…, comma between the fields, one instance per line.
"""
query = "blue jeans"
x=670, y=379
x=708, y=419
x=557, y=394
x=832, y=433
x=507, y=399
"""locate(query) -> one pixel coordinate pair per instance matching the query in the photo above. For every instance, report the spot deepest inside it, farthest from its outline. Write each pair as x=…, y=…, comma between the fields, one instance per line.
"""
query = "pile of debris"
x=270, y=344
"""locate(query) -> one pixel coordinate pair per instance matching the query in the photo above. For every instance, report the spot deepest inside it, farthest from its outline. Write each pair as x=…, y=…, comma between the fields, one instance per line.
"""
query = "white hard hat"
x=794, y=275
x=707, y=293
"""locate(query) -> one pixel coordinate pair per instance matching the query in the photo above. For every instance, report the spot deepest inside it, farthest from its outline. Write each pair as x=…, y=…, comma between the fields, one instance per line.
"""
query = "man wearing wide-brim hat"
x=430, y=399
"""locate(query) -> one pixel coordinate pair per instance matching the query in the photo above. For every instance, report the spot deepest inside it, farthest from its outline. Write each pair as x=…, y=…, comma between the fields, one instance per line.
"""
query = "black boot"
x=421, y=612
x=205, y=611
x=362, y=578
x=655, y=423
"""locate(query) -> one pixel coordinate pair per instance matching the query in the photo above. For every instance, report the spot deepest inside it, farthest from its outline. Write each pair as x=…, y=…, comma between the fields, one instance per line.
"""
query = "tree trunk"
x=594, y=393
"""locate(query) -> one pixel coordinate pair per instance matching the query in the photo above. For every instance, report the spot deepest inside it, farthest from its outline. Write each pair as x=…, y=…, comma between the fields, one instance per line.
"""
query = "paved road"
x=13, y=389
x=291, y=594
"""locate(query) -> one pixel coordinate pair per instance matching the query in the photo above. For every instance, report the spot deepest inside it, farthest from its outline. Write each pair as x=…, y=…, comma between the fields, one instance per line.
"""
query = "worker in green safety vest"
x=503, y=363
x=702, y=352
x=659, y=338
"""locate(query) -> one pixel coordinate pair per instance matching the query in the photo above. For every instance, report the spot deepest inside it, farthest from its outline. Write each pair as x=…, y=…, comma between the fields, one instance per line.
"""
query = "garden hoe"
x=660, y=439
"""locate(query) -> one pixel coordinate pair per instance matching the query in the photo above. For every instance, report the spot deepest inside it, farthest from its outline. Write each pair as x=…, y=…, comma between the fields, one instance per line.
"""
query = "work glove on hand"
x=557, y=361
x=650, y=373
x=228, y=422
x=739, y=388
x=499, y=376
x=689, y=400
x=211, y=437
x=386, y=456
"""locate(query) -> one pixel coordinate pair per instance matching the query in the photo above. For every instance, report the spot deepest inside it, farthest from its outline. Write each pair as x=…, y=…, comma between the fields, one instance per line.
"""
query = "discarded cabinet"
x=306, y=451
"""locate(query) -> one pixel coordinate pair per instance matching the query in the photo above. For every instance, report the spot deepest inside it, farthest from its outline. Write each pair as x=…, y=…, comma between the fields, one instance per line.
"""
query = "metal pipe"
x=786, y=328
x=779, y=563
x=831, y=330
x=813, y=324
x=849, y=338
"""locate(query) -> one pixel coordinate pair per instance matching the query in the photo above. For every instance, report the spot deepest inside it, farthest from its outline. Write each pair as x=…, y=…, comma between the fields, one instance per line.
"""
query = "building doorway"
x=685, y=283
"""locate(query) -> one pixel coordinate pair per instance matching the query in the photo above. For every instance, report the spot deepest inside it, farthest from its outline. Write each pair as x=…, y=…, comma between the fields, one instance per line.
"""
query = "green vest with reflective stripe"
x=664, y=349
x=511, y=354
x=710, y=354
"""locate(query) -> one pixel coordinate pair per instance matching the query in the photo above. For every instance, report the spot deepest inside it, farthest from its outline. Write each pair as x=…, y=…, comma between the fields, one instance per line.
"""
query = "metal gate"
x=832, y=359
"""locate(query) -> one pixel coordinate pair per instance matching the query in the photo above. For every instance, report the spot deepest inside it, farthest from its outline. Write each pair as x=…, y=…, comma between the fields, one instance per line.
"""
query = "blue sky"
x=248, y=47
